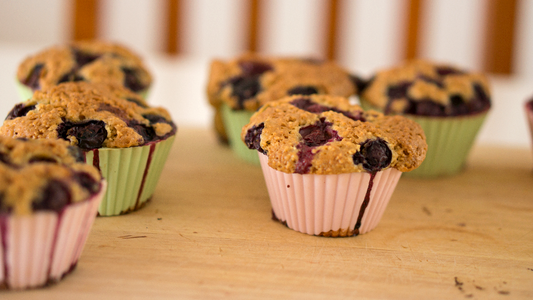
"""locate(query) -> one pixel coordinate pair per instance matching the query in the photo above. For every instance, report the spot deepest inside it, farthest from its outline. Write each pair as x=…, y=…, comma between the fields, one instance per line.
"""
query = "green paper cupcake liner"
x=24, y=92
x=449, y=141
x=234, y=121
x=130, y=182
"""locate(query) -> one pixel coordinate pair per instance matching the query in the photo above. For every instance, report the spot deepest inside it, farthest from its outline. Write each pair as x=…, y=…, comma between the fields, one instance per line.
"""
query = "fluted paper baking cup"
x=26, y=93
x=529, y=115
x=41, y=248
x=131, y=173
x=449, y=142
x=329, y=205
x=234, y=121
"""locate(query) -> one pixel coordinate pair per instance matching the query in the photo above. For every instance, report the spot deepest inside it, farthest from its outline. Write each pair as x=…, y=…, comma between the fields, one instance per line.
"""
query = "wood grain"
x=207, y=234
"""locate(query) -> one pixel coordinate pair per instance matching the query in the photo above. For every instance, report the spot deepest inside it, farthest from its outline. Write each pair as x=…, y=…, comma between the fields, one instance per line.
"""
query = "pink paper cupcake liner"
x=43, y=247
x=329, y=205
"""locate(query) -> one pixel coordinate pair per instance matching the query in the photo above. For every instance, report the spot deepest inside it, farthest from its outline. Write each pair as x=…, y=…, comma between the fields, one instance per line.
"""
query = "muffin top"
x=428, y=89
x=90, y=116
x=92, y=61
x=324, y=134
x=43, y=175
x=250, y=81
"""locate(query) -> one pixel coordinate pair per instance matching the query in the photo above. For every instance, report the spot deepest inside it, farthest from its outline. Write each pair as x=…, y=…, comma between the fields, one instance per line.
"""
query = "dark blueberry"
x=360, y=83
x=84, y=58
x=71, y=76
x=55, y=196
x=318, y=134
x=4, y=158
x=112, y=109
x=77, y=153
x=251, y=68
x=42, y=159
x=244, y=88
x=426, y=108
x=302, y=90
x=155, y=118
x=131, y=80
x=305, y=159
x=398, y=91
x=374, y=155
x=19, y=111
x=90, y=134
x=312, y=107
x=32, y=81
x=458, y=106
x=481, y=100
x=434, y=81
x=445, y=71
x=252, y=139
x=137, y=101
x=147, y=133
x=87, y=182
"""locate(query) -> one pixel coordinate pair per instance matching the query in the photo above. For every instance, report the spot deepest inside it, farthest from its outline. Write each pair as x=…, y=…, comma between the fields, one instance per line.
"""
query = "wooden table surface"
x=207, y=234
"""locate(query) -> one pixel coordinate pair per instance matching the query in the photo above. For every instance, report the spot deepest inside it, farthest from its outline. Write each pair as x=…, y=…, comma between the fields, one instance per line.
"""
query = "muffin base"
x=42, y=248
x=329, y=205
x=131, y=173
x=234, y=121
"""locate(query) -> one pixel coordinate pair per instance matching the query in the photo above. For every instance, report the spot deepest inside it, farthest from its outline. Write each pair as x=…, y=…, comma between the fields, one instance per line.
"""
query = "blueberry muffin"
x=48, y=202
x=237, y=88
x=529, y=115
x=117, y=131
x=331, y=167
x=91, y=61
x=449, y=103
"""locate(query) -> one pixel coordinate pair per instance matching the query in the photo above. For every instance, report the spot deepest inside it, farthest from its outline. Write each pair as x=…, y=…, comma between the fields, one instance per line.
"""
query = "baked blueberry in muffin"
x=238, y=87
x=448, y=102
x=427, y=89
x=115, y=128
x=44, y=190
x=91, y=61
x=331, y=167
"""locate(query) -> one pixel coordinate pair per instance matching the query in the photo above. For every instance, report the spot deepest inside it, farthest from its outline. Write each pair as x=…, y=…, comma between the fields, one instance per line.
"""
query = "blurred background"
x=179, y=38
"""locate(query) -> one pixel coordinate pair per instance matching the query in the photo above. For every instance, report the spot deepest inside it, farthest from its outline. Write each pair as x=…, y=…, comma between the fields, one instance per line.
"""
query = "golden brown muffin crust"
x=123, y=112
x=283, y=74
x=348, y=128
x=108, y=66
x=23, y=180
x=424, y=81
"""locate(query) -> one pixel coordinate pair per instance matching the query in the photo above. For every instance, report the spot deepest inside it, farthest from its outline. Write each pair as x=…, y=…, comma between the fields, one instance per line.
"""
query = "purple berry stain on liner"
x=374, y=155
x=3, y=233
x=148, y=162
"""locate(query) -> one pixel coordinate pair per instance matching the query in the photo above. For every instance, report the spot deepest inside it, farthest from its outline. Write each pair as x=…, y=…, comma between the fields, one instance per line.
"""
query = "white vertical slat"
x=138, y=24
x=35, y=21
x=453, y=31
x=294, y=27
x=214, y=28
x=523, y=54
x=373, y=34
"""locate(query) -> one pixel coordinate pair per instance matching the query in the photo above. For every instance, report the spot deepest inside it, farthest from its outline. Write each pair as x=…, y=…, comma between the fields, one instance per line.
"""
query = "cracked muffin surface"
x=426, y=88
x=90, y=116
x=91, y=61
x=324, y=134
x=43, y=175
